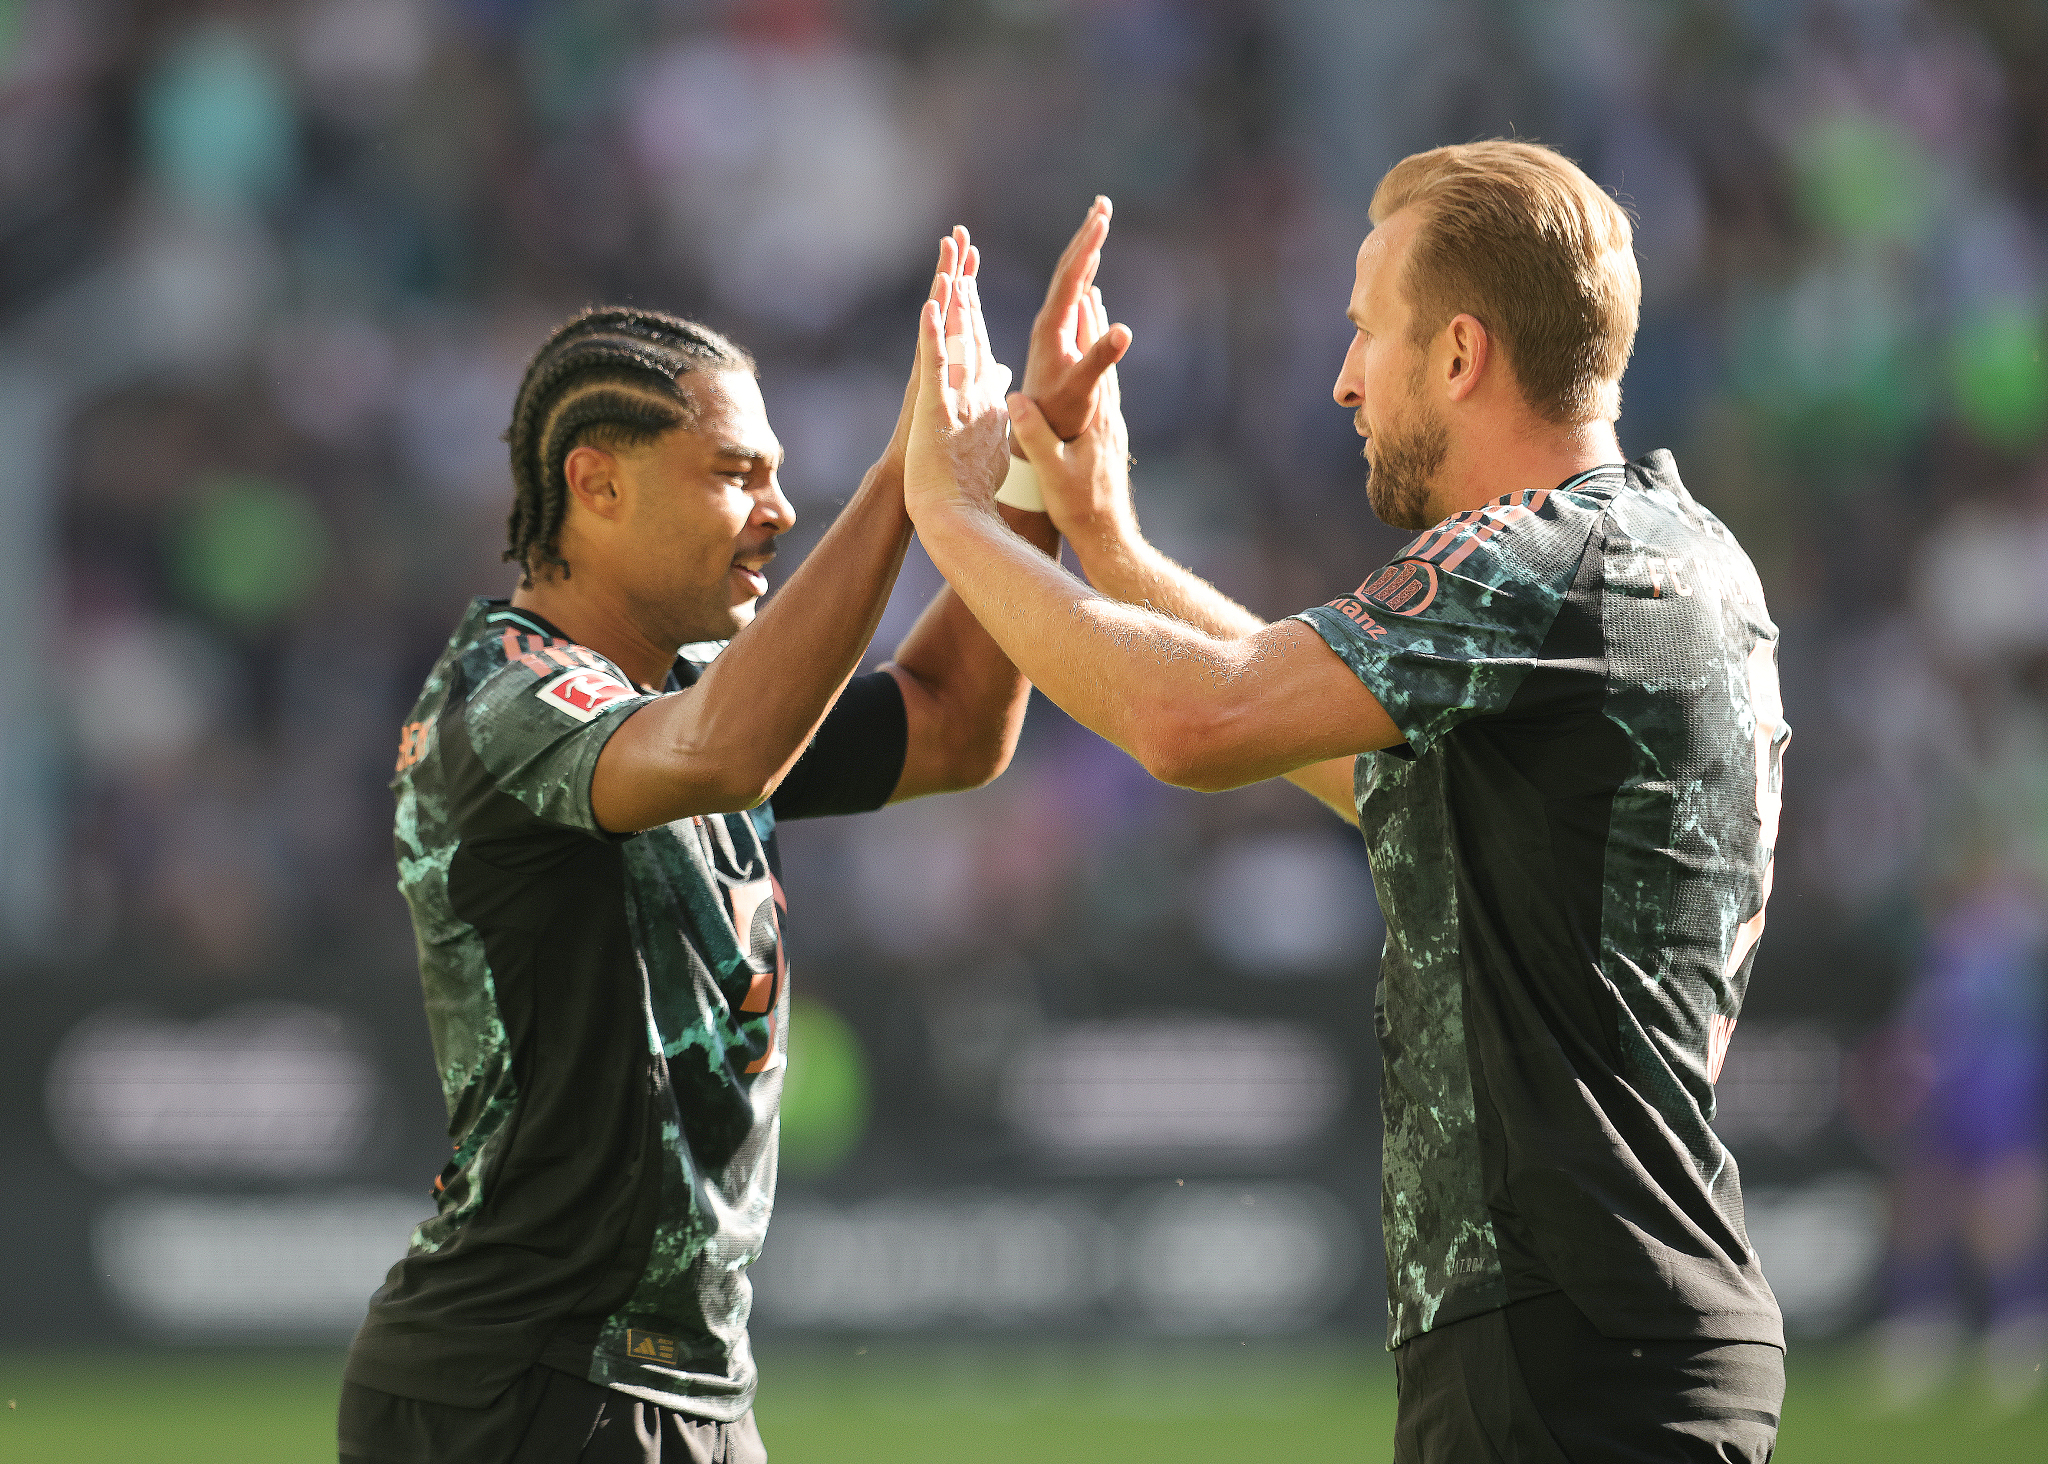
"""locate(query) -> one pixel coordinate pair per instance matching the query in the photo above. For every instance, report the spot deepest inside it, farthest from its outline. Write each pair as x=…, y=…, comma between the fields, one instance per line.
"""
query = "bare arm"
x=963, y=699
x=1195, y=709
x=1089, y=498
x=725, y=743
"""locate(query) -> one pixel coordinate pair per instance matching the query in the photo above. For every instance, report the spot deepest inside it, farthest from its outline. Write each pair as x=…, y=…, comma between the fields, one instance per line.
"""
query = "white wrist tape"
x=1020, y=489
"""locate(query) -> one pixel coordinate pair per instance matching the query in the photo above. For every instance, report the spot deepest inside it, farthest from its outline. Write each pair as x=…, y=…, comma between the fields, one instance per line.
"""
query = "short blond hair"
x=1514, y=234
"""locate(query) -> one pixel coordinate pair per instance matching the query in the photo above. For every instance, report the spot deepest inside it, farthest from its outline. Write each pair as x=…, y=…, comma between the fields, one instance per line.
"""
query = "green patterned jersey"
x=1572, y=851
x=608, y=1016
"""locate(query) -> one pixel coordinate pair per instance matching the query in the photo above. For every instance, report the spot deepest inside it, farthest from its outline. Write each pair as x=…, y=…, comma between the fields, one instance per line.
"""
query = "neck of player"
x=593, y=613
x=1513, y=454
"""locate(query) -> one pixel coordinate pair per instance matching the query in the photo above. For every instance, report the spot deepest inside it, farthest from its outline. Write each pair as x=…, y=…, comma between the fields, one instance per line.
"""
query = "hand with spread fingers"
x=1085, y=480
x=1072, y=343
x=959, y=436
x=958, y=259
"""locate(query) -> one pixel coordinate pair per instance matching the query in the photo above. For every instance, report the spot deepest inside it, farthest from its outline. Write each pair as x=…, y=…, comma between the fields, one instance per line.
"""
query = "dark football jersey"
x=608, y=1015
x=1572, y=851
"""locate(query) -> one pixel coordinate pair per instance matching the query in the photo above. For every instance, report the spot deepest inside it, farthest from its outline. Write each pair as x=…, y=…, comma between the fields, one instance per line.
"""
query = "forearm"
x=1156, y=686
x=963, y=696
x=724, y=744
x=1125, y=567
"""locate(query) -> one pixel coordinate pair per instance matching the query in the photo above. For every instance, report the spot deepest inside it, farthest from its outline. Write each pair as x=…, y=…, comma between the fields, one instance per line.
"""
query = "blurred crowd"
x=269, y=273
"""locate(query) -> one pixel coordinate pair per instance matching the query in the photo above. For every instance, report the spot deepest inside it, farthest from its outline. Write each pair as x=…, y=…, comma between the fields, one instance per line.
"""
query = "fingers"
x=1087, y=323
x=931, y=350
x=1034, y=434
x=954, y=342
x=1073, y=273
x=1108, y=349
x=984, y=354
x=1084, y=378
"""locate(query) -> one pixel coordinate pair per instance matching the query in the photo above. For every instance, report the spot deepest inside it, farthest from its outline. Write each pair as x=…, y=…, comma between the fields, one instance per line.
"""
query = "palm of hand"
x=959, y=439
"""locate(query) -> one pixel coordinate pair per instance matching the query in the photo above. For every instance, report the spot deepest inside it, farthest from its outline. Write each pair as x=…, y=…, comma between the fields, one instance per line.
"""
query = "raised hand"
x=1068, y=357
x=959, y=431
x=1086, y=483
x=958, y=259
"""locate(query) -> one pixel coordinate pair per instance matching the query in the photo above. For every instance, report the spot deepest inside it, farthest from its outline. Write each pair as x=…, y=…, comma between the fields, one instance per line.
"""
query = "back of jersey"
x=1692, y=676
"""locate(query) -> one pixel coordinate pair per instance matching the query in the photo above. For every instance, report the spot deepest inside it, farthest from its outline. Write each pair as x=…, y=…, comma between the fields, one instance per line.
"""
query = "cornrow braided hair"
x=611, y=377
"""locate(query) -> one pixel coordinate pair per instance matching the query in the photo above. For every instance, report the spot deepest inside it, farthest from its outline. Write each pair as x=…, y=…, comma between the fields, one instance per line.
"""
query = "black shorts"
x=546, y=1417
x=1539, y=1384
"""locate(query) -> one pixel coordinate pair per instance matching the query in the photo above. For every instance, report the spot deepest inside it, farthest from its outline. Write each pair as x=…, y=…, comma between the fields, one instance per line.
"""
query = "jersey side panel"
x=1694, y=685
x=706, y=909
x=1442, y=1261
x=1445, y=636
x=517, y=908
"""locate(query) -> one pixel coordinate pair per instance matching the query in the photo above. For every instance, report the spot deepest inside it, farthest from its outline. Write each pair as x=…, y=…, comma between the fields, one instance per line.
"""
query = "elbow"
x=742, y=783
x=1184, y=745
x=735, y=793
x=976, y=761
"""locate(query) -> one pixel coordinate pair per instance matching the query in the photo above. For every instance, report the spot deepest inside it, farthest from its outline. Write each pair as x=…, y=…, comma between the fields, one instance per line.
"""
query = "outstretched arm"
x=1088, y=495
x=1193, y=708
x=964, y=699
x=725, y=743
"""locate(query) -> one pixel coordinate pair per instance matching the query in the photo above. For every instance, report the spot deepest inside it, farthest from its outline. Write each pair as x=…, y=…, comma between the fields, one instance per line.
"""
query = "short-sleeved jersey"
x=608, y=1015
x=1572, y=852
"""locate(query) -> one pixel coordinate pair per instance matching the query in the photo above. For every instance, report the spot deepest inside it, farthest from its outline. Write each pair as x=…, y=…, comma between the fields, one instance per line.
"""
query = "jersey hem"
x=1718, y=1326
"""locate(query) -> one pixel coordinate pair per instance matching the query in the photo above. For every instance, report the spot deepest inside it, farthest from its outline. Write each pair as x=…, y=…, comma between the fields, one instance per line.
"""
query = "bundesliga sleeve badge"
x=584, y=692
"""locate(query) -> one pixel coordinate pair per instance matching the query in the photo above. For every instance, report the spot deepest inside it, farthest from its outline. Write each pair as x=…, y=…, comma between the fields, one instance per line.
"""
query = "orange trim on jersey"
x=746, y=901
x=1482, y=531
x=1720, y=1032
x=515, y=650
x=762, y=1063
x=1449, y=529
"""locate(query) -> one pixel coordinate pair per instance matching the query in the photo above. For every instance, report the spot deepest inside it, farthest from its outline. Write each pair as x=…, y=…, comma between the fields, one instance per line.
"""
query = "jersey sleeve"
x=539, y=715
x=1449, y=629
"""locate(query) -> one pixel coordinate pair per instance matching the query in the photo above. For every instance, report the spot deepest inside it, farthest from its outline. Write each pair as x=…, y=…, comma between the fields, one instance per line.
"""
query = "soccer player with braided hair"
x=588, y=790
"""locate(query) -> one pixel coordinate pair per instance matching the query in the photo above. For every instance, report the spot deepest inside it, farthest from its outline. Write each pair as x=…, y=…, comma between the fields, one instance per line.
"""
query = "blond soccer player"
x=1554, y=717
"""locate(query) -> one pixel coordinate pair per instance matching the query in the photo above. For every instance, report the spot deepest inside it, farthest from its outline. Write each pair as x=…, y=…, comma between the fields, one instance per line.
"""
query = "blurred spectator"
x=1969, y=1055
x=267, y=273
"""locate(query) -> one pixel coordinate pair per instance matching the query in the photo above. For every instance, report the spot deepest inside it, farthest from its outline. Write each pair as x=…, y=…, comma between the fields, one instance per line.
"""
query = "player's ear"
x=593, y=478
x=1467, y=347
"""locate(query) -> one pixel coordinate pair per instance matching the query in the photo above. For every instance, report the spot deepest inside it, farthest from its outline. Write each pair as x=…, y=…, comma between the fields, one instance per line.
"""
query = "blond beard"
x=1402, y=469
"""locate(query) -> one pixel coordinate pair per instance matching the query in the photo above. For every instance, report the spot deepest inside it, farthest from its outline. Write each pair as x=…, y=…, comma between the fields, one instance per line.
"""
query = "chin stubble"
x=1401, y=469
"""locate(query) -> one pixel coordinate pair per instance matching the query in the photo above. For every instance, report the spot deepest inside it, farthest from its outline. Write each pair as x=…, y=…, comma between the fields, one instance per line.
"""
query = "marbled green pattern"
x=713, y=1208
x=1681, y=617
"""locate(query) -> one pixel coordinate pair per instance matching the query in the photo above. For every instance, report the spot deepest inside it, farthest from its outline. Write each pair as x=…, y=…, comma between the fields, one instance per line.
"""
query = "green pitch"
x=908, y=1403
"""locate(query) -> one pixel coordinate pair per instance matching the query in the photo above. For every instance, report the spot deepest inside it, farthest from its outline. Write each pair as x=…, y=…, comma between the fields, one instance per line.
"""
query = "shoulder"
x=512, y=658
x=1661, y=540
x=1534, y=535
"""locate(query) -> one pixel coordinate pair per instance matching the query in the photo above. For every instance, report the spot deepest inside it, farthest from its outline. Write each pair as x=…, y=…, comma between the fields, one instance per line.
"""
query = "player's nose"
x=772, y=509
x=1349, y=388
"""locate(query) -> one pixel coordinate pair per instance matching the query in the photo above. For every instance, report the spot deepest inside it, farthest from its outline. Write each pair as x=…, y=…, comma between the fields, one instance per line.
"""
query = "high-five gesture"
x=958, y=258
x=959, y=434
